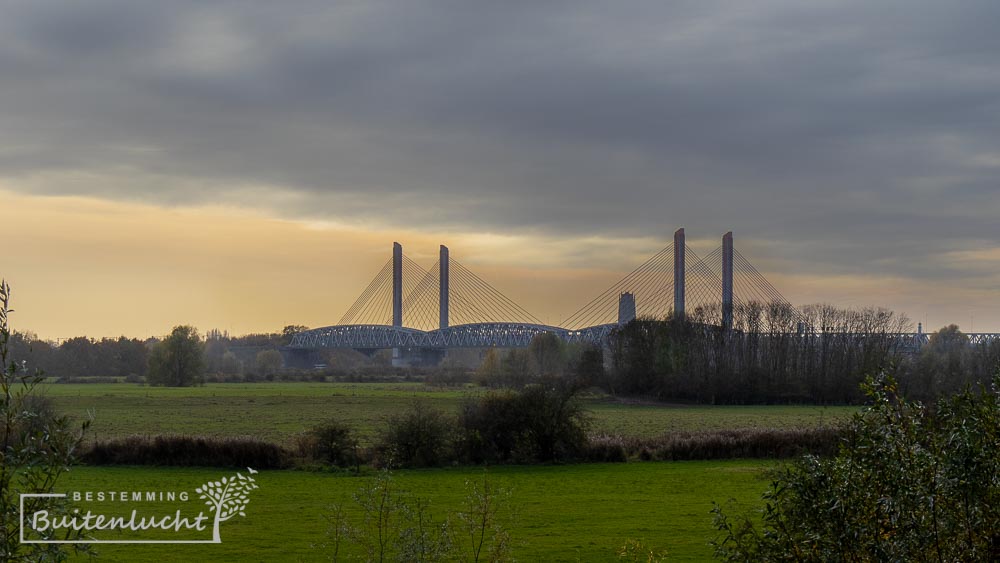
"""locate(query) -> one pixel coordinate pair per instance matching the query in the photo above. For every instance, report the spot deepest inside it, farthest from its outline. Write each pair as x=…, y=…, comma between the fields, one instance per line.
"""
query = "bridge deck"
x=518, y=335
x=477, y=335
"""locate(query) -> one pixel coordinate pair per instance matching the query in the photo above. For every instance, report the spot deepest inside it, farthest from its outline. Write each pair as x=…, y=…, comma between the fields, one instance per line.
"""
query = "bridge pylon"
x=626, y=307
x=727, y=281
x=443, y=287
x=679, y=248
x=397, y=284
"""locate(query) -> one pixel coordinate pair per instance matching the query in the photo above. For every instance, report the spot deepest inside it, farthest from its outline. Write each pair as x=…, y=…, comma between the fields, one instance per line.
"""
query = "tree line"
x=774, y=353
x=81, y=357
x=779, y=354
x=217, y=354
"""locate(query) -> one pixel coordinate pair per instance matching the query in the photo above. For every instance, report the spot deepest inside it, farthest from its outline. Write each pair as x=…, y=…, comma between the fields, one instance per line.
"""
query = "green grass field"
x=563, y=513
x=277, y=411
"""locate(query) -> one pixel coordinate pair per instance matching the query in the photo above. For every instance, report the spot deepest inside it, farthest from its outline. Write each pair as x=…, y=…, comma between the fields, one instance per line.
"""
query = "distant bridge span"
x=475, y=335
x=519, y=335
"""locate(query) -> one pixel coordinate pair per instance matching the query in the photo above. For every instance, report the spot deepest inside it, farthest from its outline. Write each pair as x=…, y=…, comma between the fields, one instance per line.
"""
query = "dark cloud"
x=860, y=134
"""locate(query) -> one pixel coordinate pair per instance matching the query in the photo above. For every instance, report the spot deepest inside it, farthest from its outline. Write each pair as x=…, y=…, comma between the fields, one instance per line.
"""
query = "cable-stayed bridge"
x=422, y=312
x=449, y=306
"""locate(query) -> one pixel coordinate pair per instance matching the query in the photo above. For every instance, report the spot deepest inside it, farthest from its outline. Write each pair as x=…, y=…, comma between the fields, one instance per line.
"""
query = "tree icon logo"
x=228, y=497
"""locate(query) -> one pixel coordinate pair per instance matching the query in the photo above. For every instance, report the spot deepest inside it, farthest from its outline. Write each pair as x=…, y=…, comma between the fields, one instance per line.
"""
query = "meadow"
x=560, y=513
x=582, y=512
x=278, y=411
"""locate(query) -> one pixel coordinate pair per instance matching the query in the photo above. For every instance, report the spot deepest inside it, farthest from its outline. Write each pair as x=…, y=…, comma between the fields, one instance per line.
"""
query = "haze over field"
x=247, y=165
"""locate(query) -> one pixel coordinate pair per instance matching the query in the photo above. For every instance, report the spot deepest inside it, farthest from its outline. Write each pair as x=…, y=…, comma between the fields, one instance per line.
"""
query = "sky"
x=247, y=165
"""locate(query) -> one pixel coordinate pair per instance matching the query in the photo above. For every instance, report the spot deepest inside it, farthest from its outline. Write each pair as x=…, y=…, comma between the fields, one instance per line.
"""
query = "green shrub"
x=419, y=437
x=330, y=442
x=36, y=447
x=37, y=415
x=909, y=483
x=540, y=423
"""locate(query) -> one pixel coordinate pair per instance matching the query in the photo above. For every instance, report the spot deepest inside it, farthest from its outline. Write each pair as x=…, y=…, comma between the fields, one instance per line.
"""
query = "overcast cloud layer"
x=861, y=137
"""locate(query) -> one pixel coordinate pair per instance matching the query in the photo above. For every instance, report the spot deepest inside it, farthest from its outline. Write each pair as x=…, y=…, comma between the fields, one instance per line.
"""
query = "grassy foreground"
x=563, y=513
x=277, y=411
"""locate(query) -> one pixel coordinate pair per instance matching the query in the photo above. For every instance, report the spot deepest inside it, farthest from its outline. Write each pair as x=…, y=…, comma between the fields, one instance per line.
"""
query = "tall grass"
x=201, y=451
x=765, y=443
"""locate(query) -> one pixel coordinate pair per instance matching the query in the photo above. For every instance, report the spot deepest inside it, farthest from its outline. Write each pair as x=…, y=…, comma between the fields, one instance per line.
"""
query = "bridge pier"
x=299, y=358
x=417, y=357
x=679, y=247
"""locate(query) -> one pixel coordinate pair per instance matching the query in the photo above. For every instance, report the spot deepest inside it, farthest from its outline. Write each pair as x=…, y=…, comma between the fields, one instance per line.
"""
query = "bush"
x=541, y=423
x=909, y=483
x=87, y=379
x=420, y=437
x=37, y=416
x=330, y=442
x=36, y=447
x=189, y=451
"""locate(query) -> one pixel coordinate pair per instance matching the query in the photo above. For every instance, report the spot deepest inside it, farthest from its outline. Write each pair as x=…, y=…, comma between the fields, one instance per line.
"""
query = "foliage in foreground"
x=637, y=552
x=36, y=447
x=394, y=526
x=910, y=483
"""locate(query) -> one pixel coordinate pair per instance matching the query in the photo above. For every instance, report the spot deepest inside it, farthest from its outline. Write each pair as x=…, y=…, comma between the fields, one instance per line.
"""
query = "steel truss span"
x=917, y=340
x=475, y=335
x=519, y=335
